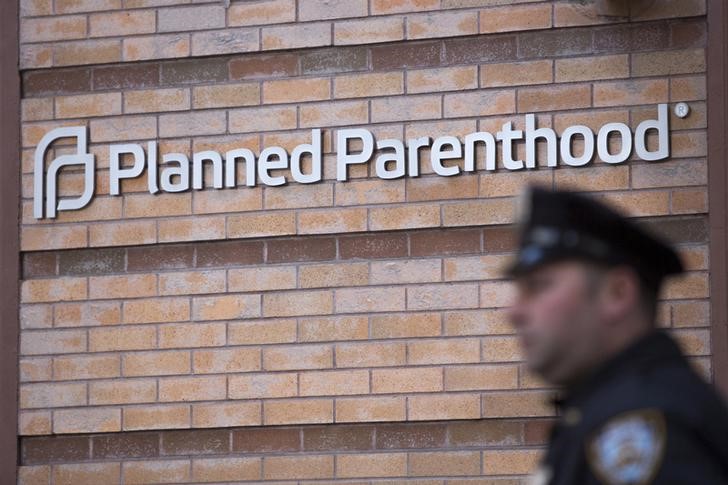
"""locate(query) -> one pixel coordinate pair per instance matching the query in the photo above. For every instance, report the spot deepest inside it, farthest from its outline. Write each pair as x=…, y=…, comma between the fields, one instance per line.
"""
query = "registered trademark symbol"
x=682, y=110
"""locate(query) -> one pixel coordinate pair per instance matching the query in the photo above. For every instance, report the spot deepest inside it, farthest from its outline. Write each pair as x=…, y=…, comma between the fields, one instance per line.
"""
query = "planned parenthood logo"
x=45, y=184
x=447, y=156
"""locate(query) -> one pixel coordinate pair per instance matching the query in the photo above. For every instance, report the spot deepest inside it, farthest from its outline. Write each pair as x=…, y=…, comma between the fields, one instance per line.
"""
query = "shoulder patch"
x=628, y=449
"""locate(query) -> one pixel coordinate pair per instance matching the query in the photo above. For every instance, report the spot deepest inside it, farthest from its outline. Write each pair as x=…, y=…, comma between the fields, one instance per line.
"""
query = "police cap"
x=561, y=225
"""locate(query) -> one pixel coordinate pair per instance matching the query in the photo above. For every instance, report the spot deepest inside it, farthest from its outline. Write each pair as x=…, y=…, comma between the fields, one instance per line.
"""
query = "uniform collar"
x=653, y=347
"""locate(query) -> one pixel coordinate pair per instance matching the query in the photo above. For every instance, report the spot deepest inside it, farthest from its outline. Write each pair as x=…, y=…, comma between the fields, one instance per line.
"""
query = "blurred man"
x=633, y=411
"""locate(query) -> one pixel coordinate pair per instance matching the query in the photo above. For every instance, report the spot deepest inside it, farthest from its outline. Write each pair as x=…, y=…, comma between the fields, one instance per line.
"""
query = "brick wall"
x=323, y=318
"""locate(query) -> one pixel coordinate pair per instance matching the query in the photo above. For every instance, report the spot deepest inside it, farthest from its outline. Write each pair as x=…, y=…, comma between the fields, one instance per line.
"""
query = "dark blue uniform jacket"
x=649, y=397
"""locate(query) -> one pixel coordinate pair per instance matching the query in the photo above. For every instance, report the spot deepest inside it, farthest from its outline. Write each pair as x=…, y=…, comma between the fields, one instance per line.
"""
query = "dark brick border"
x=430, y=436
x=342, y=247
x=617, y=38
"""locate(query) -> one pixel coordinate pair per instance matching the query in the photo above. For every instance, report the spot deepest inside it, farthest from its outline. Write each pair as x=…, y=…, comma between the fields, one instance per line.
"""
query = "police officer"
x=632, y=409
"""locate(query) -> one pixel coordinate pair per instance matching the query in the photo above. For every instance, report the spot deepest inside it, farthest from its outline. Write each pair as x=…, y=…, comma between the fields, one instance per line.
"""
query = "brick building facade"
x=347, y=331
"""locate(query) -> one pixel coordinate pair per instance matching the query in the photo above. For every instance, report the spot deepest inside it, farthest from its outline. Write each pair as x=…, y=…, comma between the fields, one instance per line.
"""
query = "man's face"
x=555, y=313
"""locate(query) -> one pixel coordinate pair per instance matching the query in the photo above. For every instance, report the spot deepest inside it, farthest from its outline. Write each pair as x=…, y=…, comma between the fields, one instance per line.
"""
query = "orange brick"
x=205, y=388
x=442, y=79
x=444, y=24
x=123, y=233
x=691, y=313
x=156, y=100
x=266, y=12
x=443, y=406
x=269, y=331
x=35, y=56
x=123, y=128
x=333, y=275
x=298, y=411
x=688, y=61
x=293, y=303
x=217, y=201
x=295, y=196
x=33, y=109
x=692, y=144
x=334, y=113
x=296, y=36
x=56, y=289
x=156, y=46
x=52, y=342
x=298, y=357
x=601, y=178
x=406, y=108
x=73, y=474
x=185, y=283
x=474, y=268
x=262, y=119
x=226, y=360
x=495, y=211
x=404, y=217
x=589, y=68
x=442, y=296
x=480, y=377
x=379, y=7
x=156, y=310
x=159, y=416
x=192, y=229
x=87, y=52
x=373, y=299
x=226, y=414
x=669, y=174
x=334, y=383
x=511, y=462
x=197, y=123
x=444, y=463
x=442, y=188
x=34, y=475
x=424, y=379
x=298, y=467
x=634, y=91
x=515, y=18
x=517, y=403
x=156, y=363
x=371, y=409
x=260, y=386
x=693, y=342
x=280, y=223
x=496, y=293
x=37, y=395
x=553, y=98
x=569, y=15
x=501, y=349
x=639, y=203
x=53, y=28
x=127, y=286
x=443, y=351
x=372, y=465
x=75, y=6
x=86, y=367
x=192, y=335
x=332, y=221
x=226, y=469
x=690, y=88
x=330, y=9
x=372, y=84
x=368, y=31
x=122, y=338
x=360, y=192
x=35, y=238
x=296, y=90
x=689, y=201
x=38, y=369
x=225, y=307
x=370, y=354
x=36, y=316
x=122, y=391
x=156, y=471
x=320, y=329
x=34, y=423
x=405, y=325
x=241, y=94
x=510, y=74
x=87, y=314
x=114, y=24
x=689, y=285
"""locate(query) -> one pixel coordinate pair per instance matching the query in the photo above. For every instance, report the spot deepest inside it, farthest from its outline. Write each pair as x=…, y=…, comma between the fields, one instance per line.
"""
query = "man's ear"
x=620, y=293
